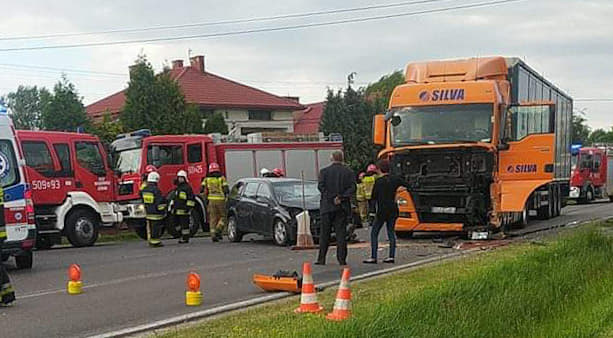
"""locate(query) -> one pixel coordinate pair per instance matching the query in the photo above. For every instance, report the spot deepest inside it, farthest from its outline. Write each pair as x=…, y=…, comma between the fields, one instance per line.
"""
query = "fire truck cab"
x=72, y=186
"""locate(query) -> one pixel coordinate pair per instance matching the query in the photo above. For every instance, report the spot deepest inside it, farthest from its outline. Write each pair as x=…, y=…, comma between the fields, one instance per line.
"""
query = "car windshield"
x=442, y=124
x=128, y=161
x=290, y=191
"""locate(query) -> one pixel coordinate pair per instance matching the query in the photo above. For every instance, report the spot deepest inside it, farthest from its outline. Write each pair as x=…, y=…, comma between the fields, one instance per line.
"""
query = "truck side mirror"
x=378, y=130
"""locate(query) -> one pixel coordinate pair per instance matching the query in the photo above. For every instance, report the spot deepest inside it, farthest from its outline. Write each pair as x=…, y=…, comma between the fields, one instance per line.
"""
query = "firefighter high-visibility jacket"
x=360, y=193
x=155, y=203
x=183, y=200
x=368, y=182
x=215, y=187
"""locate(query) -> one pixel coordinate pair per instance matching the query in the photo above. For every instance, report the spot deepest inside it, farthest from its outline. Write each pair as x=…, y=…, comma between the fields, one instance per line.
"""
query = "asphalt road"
x=129, y=284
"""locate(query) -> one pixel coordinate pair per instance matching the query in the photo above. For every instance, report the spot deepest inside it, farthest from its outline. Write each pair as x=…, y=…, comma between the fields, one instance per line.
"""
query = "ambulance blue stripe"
x=14, y=193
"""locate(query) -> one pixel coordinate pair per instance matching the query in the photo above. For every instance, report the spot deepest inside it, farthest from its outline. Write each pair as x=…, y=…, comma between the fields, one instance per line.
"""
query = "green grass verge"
x=561, y=289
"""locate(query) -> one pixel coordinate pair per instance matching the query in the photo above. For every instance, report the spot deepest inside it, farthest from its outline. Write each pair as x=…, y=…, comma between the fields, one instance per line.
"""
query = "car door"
x=245, y=207
x=264, y=209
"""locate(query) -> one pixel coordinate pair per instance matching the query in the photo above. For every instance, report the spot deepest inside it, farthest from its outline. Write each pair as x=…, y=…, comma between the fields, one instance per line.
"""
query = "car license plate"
x=17, y=232
x=443, y=210
x=477, y=235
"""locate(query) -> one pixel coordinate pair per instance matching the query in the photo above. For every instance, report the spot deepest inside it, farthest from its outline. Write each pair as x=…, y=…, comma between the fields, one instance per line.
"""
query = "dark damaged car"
x=268, y=206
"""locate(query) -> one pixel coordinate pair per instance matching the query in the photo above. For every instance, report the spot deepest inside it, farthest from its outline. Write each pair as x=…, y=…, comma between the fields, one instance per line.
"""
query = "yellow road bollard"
x=74, y=284
x=193, y=296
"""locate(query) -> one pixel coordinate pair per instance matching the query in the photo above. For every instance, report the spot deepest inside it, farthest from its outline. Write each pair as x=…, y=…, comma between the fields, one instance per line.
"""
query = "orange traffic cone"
x=342, y=305
x=308, y=298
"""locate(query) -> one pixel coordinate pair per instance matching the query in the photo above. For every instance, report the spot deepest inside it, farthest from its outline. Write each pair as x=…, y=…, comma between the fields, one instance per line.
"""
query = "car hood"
x=311, y=204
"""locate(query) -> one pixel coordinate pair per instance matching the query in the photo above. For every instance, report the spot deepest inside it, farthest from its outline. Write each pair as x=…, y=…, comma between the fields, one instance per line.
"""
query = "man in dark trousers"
x=386, y=210
x=337, y=186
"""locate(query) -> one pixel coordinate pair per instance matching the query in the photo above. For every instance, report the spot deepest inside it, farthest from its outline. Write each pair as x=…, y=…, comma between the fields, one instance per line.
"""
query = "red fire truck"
x=592, y=173
x=73, y=188
x=133, y=152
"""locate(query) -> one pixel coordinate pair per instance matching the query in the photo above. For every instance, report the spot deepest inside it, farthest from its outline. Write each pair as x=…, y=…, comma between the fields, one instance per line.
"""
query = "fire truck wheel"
x=82, y=228
x=25, y=260
x=195, y=222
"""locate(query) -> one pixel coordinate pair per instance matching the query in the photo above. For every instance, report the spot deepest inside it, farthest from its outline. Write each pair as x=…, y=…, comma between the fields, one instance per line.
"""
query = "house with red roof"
x=245, y=109
x=307, y=121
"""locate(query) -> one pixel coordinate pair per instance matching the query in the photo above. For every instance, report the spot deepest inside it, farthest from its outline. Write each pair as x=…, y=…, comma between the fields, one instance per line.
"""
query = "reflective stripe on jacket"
x=155, y=203
x=360, y=193
x=183, y=200
x=215, y=187
x=368, y=182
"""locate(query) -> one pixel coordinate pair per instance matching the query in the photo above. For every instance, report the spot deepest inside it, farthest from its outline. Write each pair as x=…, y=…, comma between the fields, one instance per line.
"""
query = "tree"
x=216, y=124
x=581, y=131
x=64, y=111
x=379, y=93
x=26, y=106
x=107, y=130
x=156, y=102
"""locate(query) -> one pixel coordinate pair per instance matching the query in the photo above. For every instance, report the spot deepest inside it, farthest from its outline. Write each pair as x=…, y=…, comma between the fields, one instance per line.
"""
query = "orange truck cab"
x=482, y=143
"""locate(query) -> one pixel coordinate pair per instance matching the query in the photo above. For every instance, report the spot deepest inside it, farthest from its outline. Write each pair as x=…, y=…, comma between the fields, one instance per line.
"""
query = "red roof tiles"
x=307, y=120
x=206, y=90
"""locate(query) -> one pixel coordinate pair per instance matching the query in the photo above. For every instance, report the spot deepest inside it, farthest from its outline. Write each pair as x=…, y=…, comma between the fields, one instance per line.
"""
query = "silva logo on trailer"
x=442, y=95
x=522, y=168
x=5, y=166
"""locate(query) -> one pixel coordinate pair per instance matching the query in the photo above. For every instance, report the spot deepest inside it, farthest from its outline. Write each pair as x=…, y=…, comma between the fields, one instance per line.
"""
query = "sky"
x=570, y=42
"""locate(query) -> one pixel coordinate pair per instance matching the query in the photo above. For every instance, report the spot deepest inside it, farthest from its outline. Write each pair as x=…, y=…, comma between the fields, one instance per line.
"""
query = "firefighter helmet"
x=150, y=168
x=153, y=177
x=182, y=173
x=214, y=168
x=371, y=168
x=264, y=172
x=278, y=172
x=361, y=175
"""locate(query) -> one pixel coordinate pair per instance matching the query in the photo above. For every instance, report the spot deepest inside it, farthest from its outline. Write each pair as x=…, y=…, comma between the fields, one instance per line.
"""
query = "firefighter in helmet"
x=215, y=191
x=7, y=294
x=182, y=204
x=369, y=182
x=278, y=172
x=361, y=198
x=155, y=206
x=148, y=170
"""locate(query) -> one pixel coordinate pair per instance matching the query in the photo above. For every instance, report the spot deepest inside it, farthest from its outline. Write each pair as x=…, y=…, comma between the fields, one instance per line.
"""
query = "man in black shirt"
x=337, y=186
x=384, y=194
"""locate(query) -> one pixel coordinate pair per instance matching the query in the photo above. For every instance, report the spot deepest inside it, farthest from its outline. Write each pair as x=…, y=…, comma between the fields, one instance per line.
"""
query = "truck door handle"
x=541, y=148
x=78, y=184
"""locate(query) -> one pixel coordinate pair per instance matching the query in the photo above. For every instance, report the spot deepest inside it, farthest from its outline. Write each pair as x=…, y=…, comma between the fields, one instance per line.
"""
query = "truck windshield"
x=127, y=161
x=442, y=124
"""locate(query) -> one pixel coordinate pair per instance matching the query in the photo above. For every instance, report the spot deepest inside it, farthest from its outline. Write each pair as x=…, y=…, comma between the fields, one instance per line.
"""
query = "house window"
x=206, y=113
x=260, y=115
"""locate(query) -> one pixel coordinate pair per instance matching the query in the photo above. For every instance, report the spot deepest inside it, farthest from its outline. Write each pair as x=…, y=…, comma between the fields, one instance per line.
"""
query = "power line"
x=261, y=30
x=11, y=65
x=594, y=100
x=223, y=22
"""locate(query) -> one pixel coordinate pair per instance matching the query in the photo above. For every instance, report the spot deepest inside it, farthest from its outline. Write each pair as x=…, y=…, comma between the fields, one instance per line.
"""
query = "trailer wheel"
x=25, y=260
x=82, y=228
x=558, y=201
x=546, y=211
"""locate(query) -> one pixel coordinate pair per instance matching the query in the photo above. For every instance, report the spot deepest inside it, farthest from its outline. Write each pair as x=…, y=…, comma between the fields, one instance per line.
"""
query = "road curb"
x=182, y=319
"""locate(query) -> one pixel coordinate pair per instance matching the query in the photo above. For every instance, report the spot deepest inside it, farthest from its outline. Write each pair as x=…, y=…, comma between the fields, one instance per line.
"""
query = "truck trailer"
x=483, y=143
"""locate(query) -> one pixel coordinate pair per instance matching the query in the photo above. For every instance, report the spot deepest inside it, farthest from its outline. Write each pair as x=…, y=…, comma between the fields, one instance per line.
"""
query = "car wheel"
x=234, y=235
x=280, y=233
x=82, y=228
x=25, y=260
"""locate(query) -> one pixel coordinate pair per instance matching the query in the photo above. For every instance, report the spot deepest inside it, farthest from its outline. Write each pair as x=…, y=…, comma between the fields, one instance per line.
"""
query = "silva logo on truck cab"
x=442, y=95
x=521, y=168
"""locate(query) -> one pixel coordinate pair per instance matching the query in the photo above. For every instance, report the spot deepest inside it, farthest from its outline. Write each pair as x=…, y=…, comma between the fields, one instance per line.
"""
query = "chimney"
x=197, y=62
x=292, y=98
x=176, y=64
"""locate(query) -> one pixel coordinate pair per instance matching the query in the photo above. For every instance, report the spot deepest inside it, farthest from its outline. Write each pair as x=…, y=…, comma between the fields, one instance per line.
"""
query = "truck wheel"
x=82, y=228
x=524, y=217
x=43, y=243
x=546, y=211
x=280, y=233
x=195, y=222
x=589, y=195
x=25, y=260
x=234, y=235
x=558, y=203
